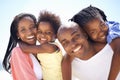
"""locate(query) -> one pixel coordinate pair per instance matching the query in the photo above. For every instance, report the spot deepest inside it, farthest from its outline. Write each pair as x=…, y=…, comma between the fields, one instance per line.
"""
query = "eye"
x=102, y=25
x=32, y=28
x=93, y=32
x=48, y=33
x=39, y=32
x=23, y=30
x=76, y=37
x=65, y=43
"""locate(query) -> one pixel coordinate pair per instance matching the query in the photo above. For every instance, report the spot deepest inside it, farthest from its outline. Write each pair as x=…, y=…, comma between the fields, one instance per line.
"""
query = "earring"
x=18, y=37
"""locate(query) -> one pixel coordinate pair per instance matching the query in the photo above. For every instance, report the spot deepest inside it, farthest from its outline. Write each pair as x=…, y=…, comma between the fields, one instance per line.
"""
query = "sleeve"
x=21, y=66
x=114, y=31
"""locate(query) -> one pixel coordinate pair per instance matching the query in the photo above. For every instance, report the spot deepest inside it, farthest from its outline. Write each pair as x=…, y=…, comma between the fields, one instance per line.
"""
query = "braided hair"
x=88, y=14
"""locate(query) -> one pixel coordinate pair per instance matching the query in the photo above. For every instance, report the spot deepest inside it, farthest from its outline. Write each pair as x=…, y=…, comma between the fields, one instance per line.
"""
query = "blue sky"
x=64, y=8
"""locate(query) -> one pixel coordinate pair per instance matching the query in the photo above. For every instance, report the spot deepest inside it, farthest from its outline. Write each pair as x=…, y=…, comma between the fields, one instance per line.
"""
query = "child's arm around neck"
x=43, y=48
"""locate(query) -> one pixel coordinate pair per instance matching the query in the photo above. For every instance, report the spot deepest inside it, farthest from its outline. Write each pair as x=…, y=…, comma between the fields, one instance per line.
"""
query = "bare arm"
x=44, y=48
x=115, y=65
x=66, y=67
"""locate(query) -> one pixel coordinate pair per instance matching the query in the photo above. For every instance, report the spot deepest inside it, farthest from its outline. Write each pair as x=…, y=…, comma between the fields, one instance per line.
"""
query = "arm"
x=66, y=67
x=21, y=66
x=44, y=48
x=115, y=65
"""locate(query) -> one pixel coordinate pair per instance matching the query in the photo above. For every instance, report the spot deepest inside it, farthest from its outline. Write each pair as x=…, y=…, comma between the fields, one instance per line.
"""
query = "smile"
x=43, y=39
x=30, y=37
x=77, y=49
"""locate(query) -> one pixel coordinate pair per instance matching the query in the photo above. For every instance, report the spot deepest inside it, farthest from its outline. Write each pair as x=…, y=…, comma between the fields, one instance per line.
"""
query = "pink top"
x=21, y=65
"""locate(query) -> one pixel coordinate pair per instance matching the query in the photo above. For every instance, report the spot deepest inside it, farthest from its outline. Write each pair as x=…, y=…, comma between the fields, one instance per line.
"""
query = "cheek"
x=106, y=30
x=94, y=37
x=21, y=36
x=67, y=49
x=51, y=38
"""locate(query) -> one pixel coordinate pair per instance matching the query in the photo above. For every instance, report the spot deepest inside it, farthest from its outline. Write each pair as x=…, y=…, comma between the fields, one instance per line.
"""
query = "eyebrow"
x=62, y=40
x=73, y=32
x=71, y=35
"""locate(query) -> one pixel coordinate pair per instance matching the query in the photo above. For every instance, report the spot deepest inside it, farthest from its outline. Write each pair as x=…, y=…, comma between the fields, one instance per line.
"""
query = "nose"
x=72, y=44
x=101, y=33
x=30, y=32
x=43, y=35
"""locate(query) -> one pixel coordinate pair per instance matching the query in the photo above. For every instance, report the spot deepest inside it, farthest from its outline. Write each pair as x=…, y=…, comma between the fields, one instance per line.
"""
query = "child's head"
x=23, y=28
x=48, y=24
x=92, y=20
x=74, y=40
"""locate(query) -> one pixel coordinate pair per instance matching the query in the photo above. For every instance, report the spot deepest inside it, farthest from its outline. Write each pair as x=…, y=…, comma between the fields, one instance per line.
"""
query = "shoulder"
x=113, y=24
x=115, y=44
x=16, y=49
x=17, y=52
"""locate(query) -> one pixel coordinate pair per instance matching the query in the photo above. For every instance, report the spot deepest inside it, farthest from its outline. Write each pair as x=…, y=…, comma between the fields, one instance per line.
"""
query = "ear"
x=18, y=36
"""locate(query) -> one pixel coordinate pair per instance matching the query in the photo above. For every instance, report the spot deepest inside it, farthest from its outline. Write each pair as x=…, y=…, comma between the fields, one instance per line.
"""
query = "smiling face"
x=45, y=32
x=97, y=30
x=74, y=41
x=27, y=30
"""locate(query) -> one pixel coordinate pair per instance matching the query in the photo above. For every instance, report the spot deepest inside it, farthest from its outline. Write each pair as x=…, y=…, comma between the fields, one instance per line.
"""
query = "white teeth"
x=30, y=37
x=75, y=50
x=43, y=39
x=103, y=37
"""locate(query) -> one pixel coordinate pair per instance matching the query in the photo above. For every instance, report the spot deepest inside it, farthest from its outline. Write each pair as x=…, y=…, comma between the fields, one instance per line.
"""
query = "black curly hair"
x=54, y=20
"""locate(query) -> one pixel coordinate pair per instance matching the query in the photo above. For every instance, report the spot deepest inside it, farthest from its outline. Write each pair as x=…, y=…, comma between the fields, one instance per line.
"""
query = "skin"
x=75, y=38
x=69, y=39
x=97, y=31
x=115, y=66
x=75, y=44
x=45, y=34
x=27, y=31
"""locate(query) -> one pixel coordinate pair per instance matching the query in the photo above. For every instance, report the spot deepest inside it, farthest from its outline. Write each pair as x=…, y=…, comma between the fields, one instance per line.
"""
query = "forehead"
x=45, y=25
x=94, y=23
x=25, y=21
x=65, y=33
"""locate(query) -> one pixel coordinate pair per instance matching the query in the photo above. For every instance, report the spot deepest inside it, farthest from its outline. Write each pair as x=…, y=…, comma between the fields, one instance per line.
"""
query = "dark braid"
x=101, y=13
x=88, y=14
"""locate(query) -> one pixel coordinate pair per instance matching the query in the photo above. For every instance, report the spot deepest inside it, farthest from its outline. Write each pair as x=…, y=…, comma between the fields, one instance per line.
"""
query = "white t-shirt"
x=95, y=68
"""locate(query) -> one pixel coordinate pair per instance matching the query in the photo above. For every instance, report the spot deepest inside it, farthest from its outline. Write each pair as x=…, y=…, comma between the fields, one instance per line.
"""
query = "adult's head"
x=48, y=24
x=93, y=22
x=23, y=28
x=74, y=40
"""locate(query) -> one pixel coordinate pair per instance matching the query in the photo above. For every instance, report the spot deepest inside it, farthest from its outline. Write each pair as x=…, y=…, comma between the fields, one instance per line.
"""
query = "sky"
x=63, y=8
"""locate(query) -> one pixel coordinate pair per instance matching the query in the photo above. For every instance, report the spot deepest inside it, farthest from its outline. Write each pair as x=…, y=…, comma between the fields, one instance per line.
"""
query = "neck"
x=89, y=53
x=98, y=46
